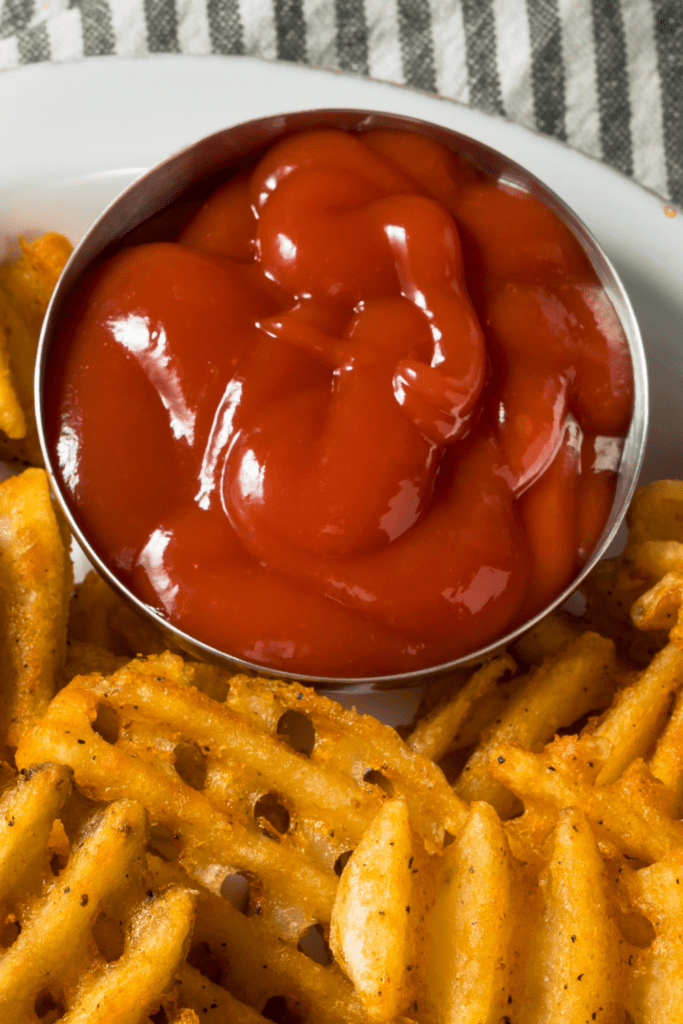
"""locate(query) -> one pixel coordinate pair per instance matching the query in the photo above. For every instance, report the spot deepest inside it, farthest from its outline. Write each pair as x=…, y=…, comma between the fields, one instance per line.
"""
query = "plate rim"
x=113, y=61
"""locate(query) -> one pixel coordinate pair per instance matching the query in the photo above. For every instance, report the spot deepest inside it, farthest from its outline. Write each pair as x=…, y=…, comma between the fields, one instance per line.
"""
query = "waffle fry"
x=31, y=804
x=368, y=931
x=255, y=966
x=576, y=680
x=12, y=419
x=25, y=289
x=654, y=548
x=55, y=961
x=435, y=733
x=666, y=763
x=211, y=774
x=468, y=972
x=245, y=779
x=660, y=607
x=154, y=948
x=629, y=816
x=577, y=941
x=94, y=929
x=657, y=982
x=35, y=582
x=215, y=1004
x=637, y=717
x=140, y=731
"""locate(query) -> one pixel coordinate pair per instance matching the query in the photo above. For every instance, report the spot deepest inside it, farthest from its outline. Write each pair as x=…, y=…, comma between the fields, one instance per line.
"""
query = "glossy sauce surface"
x=363, y=416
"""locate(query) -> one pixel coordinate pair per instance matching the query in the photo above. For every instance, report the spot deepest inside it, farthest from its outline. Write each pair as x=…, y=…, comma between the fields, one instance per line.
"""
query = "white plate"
x=73, y=135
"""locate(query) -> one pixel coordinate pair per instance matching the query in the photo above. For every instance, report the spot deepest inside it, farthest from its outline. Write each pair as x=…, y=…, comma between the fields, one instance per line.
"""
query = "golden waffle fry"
x=359, y=748
x=575, y=974
x=468, y=971
x=35, y=582
x=212, y=842
x=656, y=513
x=230, y=789
x=28, y=808
x=632, y=724
x=654, y=547
x=213, y=1002
x=434, y=734
x=129, y=989
x=89, y=933
x=31, y=279
x=657, y=979
x=666, y=763
x=659, y=608
x=25, y=290
x=62, y=924
x=576, y=680
x=369, y=925
x=629, y=816
x=255, y=965
x=12, y=419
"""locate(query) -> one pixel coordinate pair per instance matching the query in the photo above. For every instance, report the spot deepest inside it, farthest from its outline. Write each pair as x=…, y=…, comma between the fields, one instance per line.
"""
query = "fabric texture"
x=605, y=77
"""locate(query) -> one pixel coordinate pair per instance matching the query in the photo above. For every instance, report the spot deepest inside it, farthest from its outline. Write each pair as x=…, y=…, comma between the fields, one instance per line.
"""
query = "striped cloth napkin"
x=605, y=77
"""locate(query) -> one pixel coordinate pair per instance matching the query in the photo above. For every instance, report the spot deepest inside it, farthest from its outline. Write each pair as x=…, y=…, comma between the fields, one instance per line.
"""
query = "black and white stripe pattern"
x=547, y=69
x=606, y=77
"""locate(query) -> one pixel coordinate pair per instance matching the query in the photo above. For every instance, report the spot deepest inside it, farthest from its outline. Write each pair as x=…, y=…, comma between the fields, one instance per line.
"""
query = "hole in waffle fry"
x=578, y=726
x=375, y=778
x=448, y=839
x=452, y=763
x=314, y=945
x=161, y=842
x=106, y=724
x=190, y=764
x=341, y=862
x=160, y=1017
x=9, y=932
x=235, y=889
x=636, y=929
x=109, y=938
x=270, y=808
x=56, y=863
x=208, y=963
x=47, y=1007
x=281, y=1011
x=296, y=730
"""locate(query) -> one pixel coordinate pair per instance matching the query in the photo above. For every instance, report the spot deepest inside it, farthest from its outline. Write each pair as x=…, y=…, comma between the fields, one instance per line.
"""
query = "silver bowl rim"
x=158, y=191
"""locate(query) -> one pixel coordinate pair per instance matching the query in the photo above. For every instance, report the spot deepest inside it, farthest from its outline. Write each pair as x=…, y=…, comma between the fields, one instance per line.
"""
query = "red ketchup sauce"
x=362, y=417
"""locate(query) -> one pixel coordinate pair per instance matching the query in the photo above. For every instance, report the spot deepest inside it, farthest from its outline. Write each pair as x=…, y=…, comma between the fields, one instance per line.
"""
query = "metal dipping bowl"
x=158, y=204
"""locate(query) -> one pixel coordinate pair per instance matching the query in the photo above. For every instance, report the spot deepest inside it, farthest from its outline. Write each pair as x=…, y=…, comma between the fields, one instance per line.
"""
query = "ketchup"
x=363, y=416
